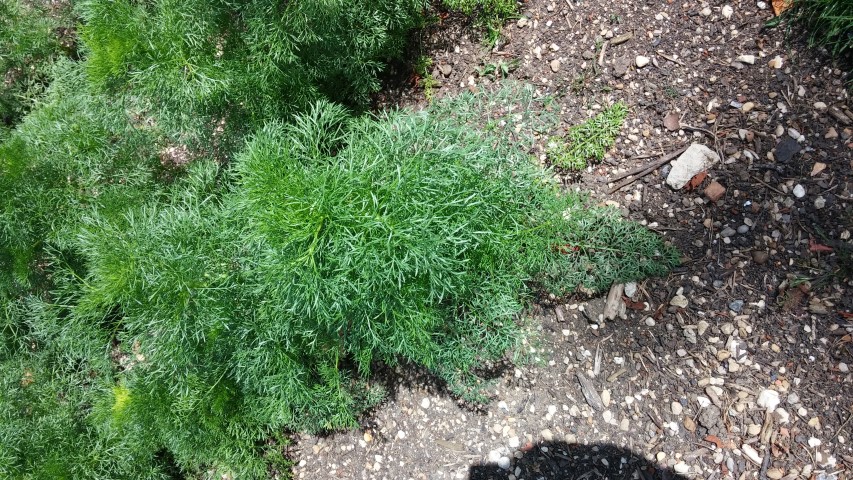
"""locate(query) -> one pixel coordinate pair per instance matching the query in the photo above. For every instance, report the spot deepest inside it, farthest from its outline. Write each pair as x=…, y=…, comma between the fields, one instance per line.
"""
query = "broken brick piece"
x=714, y=191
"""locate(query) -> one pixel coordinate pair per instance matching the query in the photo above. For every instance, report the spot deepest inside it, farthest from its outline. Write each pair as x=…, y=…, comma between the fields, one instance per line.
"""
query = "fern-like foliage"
x=590, y=140
x=257, y=298
x=199, y=62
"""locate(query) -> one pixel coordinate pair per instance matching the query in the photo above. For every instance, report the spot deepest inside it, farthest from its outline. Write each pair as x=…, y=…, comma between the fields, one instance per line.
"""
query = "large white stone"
x=695, y=159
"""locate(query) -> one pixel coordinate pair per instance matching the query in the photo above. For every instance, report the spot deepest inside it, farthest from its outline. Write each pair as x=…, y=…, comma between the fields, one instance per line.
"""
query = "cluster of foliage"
x=489, y=14
x=32, y=37
x=588, y=141
x=827, y=23
x=165, y=319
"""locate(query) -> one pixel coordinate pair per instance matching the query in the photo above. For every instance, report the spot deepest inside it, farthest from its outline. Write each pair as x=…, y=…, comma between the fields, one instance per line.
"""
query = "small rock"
x=555, y=65
x=714, y=191
x=425, y=403
x=650, y=322
x=630, y=289
x=768, y=400
x=786, y=149
x=727, y=11
x=504, y=462
x=689, y=424
x=588, y=54
x=817, y=168
x=831, y=134
x=750, y=59
x=819, y=106
x=736, y=306
x=672, y=121
x=793, y=399
x=607, y=416
x=677, y=408
x=775, y=63
x=445, y=69
x=681, y=468
x=819, y=202
x=742, y=229
x=760, y=256
x=522, y=22
x=621, y=66
x=775, y=473
x=747, y=107
x=705, y=12
x=753, y=429
x=794, y=133
x=547, y=435
x=625, y=425
x=642, y=61
x=727, y=232
x=679, y=301
x=843, y=368
x=814, y=442
x=799, y=191
x=697, y=158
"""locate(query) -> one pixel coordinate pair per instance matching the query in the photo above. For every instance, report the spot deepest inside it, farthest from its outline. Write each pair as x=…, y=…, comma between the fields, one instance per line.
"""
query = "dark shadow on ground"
x=564, y=461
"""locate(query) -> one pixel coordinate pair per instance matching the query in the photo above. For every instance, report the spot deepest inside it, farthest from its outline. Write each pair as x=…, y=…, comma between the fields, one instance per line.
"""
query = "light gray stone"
x=695, y=159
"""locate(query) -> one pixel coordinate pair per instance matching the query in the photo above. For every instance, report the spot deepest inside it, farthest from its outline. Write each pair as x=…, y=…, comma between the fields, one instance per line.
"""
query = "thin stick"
x=643, y=171
x=601, y=55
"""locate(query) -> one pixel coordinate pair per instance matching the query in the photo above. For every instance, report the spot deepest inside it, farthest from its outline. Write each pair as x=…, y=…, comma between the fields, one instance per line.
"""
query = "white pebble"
x=768, y=400
x=425, y=403
x=799, y=191
x=727, y=11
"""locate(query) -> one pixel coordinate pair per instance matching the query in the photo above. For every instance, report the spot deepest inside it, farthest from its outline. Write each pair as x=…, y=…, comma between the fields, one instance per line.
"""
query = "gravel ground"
x=737, y=365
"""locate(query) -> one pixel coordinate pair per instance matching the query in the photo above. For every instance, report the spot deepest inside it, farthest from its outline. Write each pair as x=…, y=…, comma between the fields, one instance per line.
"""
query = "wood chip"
x=589, y=392
x=614, y=306
x=455, y=447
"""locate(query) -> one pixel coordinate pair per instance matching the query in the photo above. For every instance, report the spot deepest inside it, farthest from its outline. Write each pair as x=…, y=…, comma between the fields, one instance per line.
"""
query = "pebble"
x=727, y=328
x=760, y=257
x=776, y=62
x=727, y=232
x=814, y=442
x=819, y=106
x=799, y=191
x=751, y=454
x=605, y=397
x=747, y=107
x=727, y=11
x=819, y=202
x=736, y=306
x=607, y=415
x=843, y=368
x=642, y=61
x=768, y=400
x=679, y=301
x=625, y=425
x=677, y=408
x=831, y=134
x=705, y=12
x=630, y=289
x=650, y=322
x=794, y=133
x=681, y=468
x=547, y=435
x=750, y=59
x=522, y=22
x=775, y=473
x=503, y=462
x=742, y=229
x=425, y=403
x=753, y=429
x=793, y=399
x=555, y=66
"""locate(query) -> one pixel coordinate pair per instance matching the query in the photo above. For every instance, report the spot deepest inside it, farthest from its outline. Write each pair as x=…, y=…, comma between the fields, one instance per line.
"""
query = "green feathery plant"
x=829, y=24
x=201, y=63
x=588, y=141
x=31, y=39
x=257, y=298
